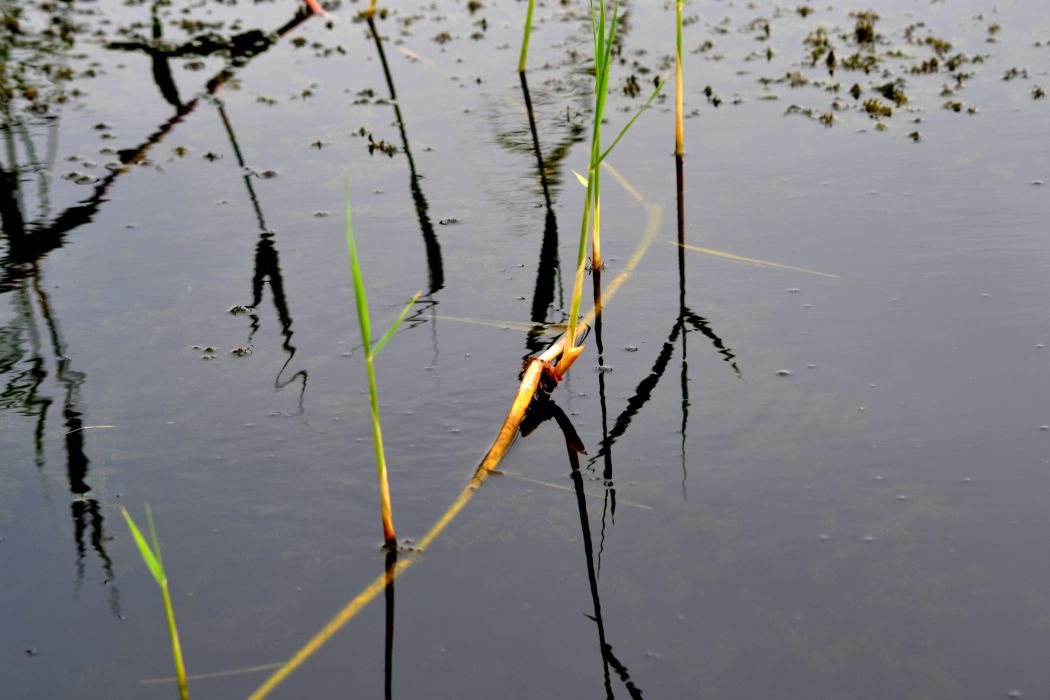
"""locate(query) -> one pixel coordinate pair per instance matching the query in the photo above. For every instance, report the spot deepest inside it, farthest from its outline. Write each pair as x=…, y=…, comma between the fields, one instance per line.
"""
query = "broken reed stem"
x=678, y=137
x=525, y=38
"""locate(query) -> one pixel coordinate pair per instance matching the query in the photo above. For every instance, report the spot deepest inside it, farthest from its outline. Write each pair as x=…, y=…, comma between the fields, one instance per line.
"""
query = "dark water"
x=798, y=486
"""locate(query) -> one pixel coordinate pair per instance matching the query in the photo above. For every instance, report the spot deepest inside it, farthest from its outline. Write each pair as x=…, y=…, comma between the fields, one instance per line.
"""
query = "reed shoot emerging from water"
x=370, y=350
x=155, y=564
x=603, y=27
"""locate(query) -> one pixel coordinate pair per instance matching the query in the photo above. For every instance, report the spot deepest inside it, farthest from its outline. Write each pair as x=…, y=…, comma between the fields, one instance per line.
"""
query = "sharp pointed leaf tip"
x=581, y=178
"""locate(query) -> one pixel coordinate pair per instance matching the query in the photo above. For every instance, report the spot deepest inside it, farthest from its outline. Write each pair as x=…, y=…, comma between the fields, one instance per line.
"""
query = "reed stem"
x=525, y=38
x=361, y=301
x=678, y=137
x=176, y=646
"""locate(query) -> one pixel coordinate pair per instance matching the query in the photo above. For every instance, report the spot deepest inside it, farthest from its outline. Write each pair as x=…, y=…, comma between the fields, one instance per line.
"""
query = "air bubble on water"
x=868, y=538
x=794, y=290
x=630, y=348
x=825, y=537
x=1044, y=427
x=783, y=373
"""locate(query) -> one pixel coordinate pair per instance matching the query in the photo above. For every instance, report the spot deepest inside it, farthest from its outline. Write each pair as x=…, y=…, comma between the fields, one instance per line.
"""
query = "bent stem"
x=155, y=563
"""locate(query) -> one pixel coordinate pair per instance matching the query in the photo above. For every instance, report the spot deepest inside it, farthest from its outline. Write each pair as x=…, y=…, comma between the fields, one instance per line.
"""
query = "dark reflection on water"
x=388, y=641
x=548, y=286
x=435, y=267
x=543, y=409
x=23, y=393
x=679, y=173
x=30, y=239
x=267, y=270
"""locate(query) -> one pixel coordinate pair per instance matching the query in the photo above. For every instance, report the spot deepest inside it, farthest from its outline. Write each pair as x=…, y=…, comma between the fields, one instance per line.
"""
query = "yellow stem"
x=176, y=647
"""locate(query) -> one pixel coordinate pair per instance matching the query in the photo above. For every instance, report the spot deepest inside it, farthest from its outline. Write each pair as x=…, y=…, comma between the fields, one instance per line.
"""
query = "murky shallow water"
x=824, y=487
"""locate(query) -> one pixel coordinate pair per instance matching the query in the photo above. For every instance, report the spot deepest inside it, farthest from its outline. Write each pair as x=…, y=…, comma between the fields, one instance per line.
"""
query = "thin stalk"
x=678, y=138
x=176, y=647
x=525, y=38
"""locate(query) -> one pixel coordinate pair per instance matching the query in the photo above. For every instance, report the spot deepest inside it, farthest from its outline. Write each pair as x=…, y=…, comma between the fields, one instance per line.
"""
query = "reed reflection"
x=388, y=643
x=36, y=369
x=435, y=266
x=687, y=321
x=267, y=272
x=25, y=359
x=548, y=288
x=543, y=409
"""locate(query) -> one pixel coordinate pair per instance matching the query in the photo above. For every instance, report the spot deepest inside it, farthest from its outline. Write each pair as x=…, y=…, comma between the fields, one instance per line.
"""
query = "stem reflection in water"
x=388, y=644
x=542, y=410
x=267, y=269
x=29, y=239
x=435, y=265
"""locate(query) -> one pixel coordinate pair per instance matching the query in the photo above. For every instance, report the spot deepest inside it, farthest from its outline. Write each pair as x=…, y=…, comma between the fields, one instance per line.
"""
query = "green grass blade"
x=360, y=298
x=152, y=562
x=637, y=114
x=397, y=322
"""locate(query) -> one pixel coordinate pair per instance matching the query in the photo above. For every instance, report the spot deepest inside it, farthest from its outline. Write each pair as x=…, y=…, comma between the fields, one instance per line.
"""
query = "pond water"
x=796, y=485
